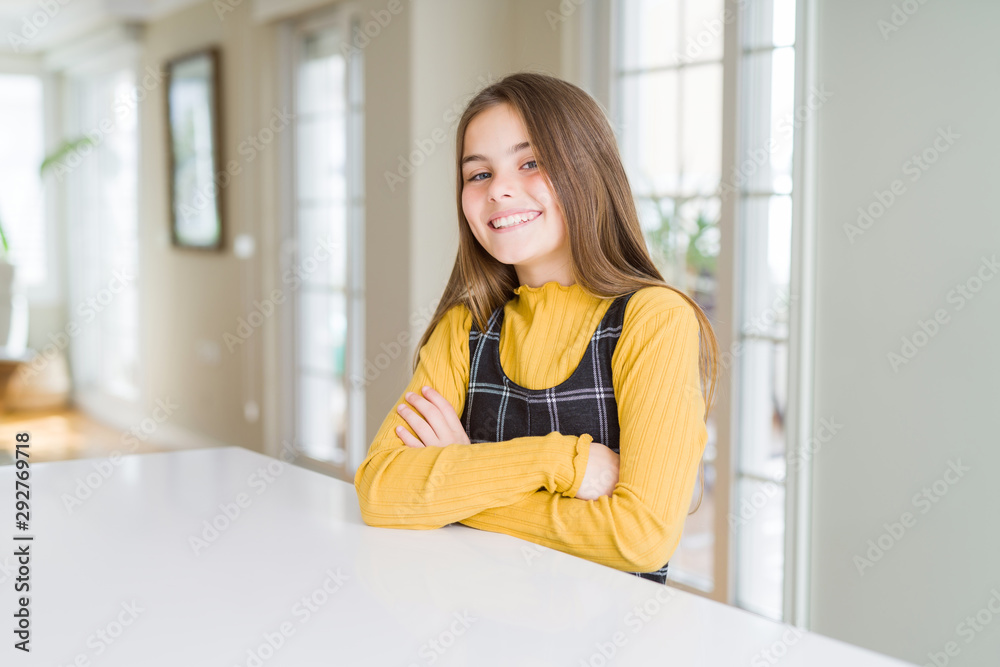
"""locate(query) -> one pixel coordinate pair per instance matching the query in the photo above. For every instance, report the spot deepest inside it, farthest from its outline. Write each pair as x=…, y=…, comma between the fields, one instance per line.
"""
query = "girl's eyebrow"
x=516, y=148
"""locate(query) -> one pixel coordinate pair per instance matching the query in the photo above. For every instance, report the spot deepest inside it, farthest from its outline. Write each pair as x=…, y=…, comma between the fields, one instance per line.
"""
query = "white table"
x=121, y=565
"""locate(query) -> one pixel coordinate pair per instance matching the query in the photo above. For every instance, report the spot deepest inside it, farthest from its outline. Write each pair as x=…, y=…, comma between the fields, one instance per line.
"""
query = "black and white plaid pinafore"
x=497, y=409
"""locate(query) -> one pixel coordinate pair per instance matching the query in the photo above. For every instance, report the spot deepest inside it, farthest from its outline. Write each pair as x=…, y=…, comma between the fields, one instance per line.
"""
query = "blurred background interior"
x=227, y=222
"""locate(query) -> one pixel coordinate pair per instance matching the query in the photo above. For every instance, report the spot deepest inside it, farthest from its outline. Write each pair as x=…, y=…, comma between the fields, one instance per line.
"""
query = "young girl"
x=556, y=394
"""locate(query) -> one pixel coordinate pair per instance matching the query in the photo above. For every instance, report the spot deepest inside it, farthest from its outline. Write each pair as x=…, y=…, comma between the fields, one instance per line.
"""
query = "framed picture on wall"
x=196, y=210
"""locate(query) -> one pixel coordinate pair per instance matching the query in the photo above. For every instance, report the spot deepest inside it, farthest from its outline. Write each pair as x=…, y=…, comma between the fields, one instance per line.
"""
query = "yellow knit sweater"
x=525, y=486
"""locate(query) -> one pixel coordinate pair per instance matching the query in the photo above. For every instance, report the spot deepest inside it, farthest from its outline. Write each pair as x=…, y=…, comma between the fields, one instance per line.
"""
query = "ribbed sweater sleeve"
x=662, y=437
x=428, y=487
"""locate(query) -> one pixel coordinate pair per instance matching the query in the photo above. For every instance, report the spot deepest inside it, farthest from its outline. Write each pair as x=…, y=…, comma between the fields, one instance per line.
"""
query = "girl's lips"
x=513, y=227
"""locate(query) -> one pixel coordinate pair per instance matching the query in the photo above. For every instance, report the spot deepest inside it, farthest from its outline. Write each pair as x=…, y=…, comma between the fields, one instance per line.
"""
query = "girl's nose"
x=500, y=185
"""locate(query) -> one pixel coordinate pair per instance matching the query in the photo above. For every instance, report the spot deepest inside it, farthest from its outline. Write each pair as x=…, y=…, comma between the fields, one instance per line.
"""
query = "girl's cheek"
x=538, y=180
x=468, y=206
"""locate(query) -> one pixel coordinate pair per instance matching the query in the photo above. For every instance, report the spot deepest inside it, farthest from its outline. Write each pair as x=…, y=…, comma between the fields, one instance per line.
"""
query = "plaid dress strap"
x=497, y=409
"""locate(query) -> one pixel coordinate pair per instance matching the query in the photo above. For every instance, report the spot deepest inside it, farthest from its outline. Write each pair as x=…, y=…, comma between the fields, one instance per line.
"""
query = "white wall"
x=902, y=427
x=458, y=47
x=420, y=70
x=189, y=299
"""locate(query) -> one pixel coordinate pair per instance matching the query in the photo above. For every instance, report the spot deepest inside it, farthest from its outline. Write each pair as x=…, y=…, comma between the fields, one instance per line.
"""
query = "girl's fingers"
x=407, y=438
x=419, y=426
x=433, y=416
x=446, y=408
x=457, y=432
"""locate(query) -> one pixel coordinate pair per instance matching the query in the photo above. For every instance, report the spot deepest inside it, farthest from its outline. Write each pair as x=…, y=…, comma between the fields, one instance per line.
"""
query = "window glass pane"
x=766, y=224
x=118, y=164
x=699, y=237
x=701, y=124
x=322, y=245
x=764, y=170
x=683, y=241
x=670, y=122
x=653, y=213
x=753, y=160
x=653, y=31
x=321, y=85
x=704, y=28
x=315, y=341
x=759, y=528
x=329, y=192
x=782, y=118
x=763, y=408
x=321, y=421
x=322, y=331
x=338, y=331
x=329, y=134
x=103, y=228
x=693, y=561
x=766, y=159
x=322, y=152
x=783, y=33
x=22, y=206
x=650, y=132
x=779, y=243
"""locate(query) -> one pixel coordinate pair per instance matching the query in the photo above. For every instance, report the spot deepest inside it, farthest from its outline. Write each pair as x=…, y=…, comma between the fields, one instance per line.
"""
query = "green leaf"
x=3, y=239
x=64, y=149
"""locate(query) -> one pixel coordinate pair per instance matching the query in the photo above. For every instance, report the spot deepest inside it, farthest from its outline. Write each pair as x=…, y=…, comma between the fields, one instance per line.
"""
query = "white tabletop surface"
x=116, y=581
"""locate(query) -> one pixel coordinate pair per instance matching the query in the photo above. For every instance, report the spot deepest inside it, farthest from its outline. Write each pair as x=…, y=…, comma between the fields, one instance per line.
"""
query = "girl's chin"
x=521, y=260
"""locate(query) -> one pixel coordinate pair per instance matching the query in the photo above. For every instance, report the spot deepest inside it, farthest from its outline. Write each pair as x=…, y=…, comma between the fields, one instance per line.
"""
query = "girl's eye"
x=533, y=163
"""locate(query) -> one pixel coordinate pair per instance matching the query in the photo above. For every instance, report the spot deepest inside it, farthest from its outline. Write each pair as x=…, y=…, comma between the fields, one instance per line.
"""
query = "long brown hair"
x=575, y=148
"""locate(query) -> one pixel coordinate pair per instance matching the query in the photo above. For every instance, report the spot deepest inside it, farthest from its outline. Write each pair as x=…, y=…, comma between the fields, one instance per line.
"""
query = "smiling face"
x=509, y=203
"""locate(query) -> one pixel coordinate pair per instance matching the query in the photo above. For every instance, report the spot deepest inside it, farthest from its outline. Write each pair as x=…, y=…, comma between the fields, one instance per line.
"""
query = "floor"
x=57, y=435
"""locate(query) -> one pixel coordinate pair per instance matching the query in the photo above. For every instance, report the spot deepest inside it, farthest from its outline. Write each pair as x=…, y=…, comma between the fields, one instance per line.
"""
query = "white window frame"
x=117, y=48
x=599, y=28
x=289, y=34
x=801, y=328
x=595, y=44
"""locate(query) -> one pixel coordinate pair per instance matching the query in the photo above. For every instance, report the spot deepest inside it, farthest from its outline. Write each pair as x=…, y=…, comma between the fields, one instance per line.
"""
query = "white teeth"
x=509, y=220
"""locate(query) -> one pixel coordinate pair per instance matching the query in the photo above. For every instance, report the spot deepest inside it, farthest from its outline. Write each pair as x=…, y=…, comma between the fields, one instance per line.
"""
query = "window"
x=102, y=227
x=22, y=205
x=763, y=185
x=328, y=208
x=667, y=101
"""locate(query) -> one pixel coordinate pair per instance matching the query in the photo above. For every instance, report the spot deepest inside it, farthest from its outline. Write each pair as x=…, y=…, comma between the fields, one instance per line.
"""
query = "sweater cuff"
x=581, y=454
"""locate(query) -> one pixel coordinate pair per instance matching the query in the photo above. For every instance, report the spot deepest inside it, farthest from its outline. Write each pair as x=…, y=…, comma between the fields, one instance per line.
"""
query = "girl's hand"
x=601, y=476
x=436, y=424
